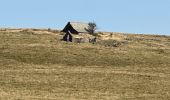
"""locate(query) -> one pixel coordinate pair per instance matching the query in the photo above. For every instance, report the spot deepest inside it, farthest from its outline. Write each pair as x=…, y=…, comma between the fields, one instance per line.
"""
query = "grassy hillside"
x=36, y=65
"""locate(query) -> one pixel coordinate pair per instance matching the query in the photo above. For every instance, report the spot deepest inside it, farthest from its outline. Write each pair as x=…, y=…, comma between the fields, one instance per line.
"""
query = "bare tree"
x=91, y=27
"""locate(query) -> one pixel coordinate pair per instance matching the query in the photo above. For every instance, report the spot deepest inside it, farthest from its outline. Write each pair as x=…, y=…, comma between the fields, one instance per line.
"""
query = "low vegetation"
x=36, y=65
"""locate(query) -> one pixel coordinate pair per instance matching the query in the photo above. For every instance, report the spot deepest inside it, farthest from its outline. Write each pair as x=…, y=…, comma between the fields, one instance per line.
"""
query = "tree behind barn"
x=91, y=27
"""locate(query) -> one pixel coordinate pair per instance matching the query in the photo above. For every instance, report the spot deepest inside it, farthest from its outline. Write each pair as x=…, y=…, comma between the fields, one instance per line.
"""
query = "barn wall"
x=81, y=40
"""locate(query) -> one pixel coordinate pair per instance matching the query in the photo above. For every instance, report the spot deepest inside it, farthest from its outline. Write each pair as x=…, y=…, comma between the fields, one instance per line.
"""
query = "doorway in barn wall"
x=68, y=37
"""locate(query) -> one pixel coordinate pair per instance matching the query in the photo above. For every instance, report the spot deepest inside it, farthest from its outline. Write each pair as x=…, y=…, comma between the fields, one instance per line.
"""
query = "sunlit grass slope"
x=36, y=65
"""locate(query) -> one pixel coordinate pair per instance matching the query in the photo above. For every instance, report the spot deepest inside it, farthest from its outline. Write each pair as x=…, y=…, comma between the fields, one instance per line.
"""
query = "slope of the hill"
x=36, y=65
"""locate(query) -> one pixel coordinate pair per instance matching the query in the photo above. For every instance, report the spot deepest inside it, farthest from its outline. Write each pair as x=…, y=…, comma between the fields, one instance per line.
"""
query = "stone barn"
x=76, y=32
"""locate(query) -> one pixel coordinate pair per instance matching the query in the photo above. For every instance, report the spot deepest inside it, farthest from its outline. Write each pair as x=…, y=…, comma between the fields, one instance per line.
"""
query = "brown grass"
x=36, y=65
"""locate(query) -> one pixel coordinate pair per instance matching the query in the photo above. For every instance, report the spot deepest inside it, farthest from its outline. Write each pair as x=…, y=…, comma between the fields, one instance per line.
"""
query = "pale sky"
x=132, y=16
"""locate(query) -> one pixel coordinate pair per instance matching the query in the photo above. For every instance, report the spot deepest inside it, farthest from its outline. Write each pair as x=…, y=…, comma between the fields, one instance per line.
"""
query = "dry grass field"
x=36, y=65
